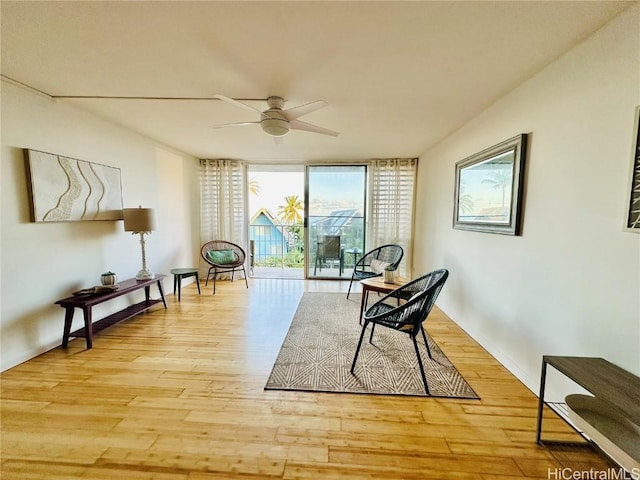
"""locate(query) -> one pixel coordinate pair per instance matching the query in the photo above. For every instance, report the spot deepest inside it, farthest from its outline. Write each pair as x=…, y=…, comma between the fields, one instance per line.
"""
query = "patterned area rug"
x=318, y=350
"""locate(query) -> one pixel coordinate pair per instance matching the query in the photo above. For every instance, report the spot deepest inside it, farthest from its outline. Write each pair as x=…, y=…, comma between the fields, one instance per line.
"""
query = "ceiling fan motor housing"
x=274, y=122
x=277, y=122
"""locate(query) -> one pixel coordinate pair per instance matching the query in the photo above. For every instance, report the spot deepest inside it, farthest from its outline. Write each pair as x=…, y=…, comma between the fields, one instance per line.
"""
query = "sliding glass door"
x=276, y=212
x=335, y=200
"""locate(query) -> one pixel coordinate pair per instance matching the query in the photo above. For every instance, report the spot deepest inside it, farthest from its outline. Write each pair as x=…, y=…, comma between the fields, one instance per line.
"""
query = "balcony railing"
x=277, y=246
x=282, y=246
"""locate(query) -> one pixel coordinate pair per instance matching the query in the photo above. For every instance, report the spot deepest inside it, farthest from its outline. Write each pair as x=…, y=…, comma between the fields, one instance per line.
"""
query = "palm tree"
x=500, y=179
x=465, y=202
x=254, y=187
x=290, y=212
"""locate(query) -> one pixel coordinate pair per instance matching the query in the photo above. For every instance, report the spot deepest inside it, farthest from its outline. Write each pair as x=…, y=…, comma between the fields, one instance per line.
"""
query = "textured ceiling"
x=398, y=76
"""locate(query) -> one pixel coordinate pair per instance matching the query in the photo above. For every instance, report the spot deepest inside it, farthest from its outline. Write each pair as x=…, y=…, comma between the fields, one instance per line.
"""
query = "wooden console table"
x=87, y=302
x=617, y=389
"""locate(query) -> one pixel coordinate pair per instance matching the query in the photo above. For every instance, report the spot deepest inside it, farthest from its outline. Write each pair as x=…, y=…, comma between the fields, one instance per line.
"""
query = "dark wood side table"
x=86, y=303
x=602, y=378
x=179, y=274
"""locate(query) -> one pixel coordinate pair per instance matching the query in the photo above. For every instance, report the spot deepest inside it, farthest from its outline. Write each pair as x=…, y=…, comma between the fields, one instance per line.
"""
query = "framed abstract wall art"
x=633, y=208
x=65, y=189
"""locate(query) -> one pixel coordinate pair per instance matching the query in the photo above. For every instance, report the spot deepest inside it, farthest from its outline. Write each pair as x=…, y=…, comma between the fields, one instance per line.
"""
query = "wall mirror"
x=488, y=189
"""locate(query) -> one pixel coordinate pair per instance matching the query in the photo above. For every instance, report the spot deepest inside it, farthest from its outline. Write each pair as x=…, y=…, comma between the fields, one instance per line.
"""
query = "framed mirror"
x=488, y=189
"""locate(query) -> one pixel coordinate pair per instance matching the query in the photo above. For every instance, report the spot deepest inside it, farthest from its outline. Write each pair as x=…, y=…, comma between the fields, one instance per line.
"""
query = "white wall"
x=570, y=285
x=44, y=262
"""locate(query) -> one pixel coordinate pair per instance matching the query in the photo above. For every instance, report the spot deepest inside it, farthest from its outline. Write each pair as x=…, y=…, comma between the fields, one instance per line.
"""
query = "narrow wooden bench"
x=87, y=302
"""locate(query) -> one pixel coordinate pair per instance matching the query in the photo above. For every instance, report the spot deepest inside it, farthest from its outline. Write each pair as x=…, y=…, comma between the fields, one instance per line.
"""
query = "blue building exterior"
x=268, y=236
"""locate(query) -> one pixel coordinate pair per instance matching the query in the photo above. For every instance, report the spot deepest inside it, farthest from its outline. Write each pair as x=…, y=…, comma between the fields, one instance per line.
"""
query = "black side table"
x=179, y=274
x=355, y=251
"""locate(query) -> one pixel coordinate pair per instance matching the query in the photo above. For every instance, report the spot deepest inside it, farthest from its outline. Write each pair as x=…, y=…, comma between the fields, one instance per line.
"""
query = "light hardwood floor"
x=178, y=394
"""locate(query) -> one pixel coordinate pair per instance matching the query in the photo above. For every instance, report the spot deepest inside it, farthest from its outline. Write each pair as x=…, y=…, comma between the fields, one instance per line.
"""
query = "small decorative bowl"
x=109, y=278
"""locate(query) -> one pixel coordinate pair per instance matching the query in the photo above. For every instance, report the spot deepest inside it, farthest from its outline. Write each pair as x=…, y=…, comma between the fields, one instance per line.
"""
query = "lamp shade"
x=139, y=219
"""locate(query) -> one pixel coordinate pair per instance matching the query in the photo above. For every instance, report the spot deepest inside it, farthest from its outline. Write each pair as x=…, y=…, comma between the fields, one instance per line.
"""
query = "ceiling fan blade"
x=239, y=124
x=307, y=127
x=297, y=112
x=238, y=104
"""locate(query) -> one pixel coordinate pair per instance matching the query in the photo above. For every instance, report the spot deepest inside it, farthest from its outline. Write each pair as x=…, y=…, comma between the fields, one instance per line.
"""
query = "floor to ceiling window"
x=309, y=222
x=335, y=208
x=331, y=206
x=276, y=213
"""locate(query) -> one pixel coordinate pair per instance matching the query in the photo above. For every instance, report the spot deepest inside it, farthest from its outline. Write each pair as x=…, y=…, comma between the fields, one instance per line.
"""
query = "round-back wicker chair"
x=389, y=254
x=406, y=317
x=223, y=256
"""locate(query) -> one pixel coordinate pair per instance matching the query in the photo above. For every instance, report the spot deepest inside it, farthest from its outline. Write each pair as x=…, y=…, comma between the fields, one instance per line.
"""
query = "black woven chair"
x=407, y=316
x=223, y=256
x=390, y=254
x=328, y=249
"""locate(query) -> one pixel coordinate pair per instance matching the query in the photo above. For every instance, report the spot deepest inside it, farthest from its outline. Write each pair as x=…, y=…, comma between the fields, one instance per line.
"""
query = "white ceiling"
x=398, y=76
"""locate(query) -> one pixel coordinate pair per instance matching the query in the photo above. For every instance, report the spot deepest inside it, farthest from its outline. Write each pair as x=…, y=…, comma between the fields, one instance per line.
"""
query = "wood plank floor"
x=177, y=394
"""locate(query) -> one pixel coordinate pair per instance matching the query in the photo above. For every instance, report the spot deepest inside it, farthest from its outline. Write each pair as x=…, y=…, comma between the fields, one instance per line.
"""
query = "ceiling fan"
x=277, y=122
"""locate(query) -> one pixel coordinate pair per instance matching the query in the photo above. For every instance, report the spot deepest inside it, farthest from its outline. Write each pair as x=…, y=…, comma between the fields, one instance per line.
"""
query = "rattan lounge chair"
x=223, y=256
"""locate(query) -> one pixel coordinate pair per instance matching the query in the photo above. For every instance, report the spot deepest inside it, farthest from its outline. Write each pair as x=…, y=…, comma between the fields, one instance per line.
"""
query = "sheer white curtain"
x=390, y=213
x=223, y=201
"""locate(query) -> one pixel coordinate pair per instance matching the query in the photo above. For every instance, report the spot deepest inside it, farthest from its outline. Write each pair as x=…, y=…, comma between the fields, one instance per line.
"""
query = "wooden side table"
x=613, y=406
x=179, y=274
x=376, y=284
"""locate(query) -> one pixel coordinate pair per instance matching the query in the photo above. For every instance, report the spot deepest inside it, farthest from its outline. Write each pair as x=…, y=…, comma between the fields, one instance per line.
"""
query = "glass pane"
x=336, y=211
x=276, y=206
x=485, y=190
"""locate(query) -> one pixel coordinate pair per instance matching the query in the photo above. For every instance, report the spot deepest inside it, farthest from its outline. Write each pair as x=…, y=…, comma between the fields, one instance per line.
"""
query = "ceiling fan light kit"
x=273, y=121
x=275, y=127
x=277, y=122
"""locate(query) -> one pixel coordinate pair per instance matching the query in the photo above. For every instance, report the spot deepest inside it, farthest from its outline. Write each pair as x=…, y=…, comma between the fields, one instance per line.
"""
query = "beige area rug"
x=318, y=351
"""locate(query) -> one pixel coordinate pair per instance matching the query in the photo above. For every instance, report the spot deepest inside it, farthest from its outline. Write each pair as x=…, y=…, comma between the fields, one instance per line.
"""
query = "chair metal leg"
x=355, y=357
x=215, y=274
x=245, y=277
x=424, y=377
x=208, y=275
x=373, y=327
x=426, y=344
x=350, y=283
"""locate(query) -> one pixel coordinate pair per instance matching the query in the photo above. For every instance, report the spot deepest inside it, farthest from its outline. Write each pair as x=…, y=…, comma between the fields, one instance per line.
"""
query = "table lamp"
x=143, y=221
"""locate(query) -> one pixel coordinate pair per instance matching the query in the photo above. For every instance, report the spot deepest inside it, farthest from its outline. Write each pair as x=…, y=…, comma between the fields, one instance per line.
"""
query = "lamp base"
x=144, y=274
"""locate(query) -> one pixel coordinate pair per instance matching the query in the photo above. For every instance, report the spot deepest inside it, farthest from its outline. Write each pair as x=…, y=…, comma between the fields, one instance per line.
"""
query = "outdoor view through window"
x=335, y=224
